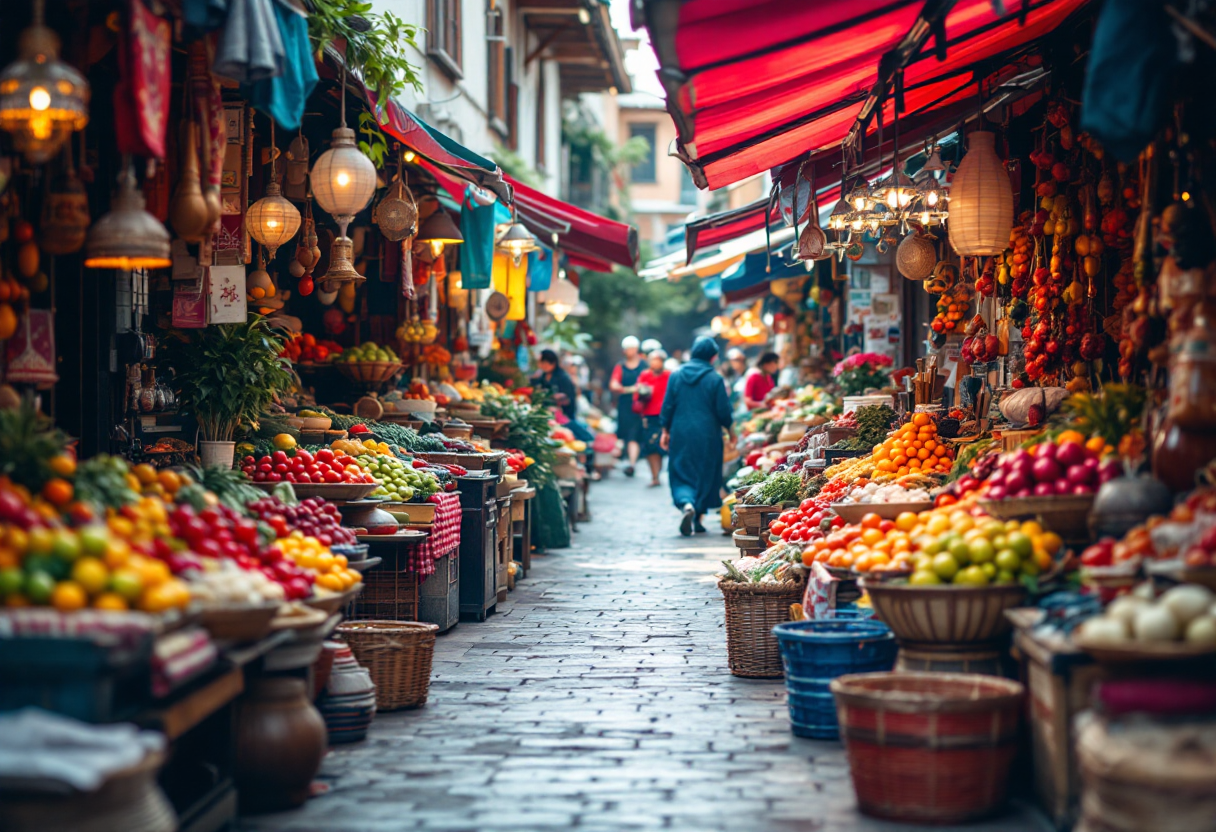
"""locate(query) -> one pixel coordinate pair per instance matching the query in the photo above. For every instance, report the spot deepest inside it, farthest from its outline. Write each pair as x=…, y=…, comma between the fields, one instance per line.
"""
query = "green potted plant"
x=227, y=374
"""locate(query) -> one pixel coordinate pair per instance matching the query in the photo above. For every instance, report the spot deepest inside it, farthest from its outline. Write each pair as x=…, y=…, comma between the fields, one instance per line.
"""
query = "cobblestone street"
x=596, y=699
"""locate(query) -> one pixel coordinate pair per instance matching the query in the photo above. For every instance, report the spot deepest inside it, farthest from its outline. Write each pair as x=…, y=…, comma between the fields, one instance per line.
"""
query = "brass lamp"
x=42, y=99
x=128, y=237
x=517, y=241
x=438, y=231
x=273, y=220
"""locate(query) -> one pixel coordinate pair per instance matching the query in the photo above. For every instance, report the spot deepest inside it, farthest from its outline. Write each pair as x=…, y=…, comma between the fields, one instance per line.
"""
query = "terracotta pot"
x=280, y=740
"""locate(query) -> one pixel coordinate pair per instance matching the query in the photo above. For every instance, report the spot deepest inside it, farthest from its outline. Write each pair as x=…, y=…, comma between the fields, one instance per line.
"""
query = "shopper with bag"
x=648, y=403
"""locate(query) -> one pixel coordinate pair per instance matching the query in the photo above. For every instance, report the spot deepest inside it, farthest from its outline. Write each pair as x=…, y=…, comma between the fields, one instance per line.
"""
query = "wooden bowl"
x=316, y=422
x=944, y=614
x=853, y=512
x=1066, y=515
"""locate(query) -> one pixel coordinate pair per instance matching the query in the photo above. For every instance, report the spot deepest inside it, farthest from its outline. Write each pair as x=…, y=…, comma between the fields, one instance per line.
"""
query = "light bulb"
x=40, y=99
x=931, y=198
x=859, y=203
x=874, y=225
x=436, y=247
x=272, y=223
x=856, y=224
x=892, y=198
x=343, y=178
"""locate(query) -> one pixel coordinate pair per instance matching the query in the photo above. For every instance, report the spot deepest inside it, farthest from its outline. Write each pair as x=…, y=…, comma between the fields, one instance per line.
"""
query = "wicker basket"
x=369, y=372
x=928, y=747
x=239, y=623
x=945, y=614
x=398, y=654
x=752, y=611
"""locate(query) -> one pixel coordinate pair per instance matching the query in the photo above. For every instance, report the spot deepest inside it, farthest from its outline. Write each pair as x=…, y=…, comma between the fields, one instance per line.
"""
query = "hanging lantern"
x=341, y=269
x=438, y=231
x=272, y=220
x=931, y=189
x=839, y=219
x=561, y=299
x=898, y=191
x=42, y=99
x=981, y=200
x=516, y=241
x=916, y=257
x=343, y=179
x=860, y=197
x=128, y=237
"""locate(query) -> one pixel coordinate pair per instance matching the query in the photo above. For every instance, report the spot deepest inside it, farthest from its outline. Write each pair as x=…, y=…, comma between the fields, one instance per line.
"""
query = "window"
x=497, y=63
x=443, y=35
x=688, y=191
x=644, y=171
x=542, y=125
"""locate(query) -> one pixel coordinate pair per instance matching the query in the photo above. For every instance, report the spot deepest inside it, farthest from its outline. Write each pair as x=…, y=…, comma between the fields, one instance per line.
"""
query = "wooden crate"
x=1011, y=440
x=388, y=595
x=1058, y=681
x=439, y=594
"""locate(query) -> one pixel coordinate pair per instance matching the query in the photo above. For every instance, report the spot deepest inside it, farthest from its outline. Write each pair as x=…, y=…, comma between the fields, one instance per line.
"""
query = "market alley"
x=596, y=699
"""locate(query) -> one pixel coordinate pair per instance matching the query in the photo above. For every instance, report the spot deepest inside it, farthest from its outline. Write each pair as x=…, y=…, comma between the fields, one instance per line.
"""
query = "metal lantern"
x=561, y=298
x=42, y=99
x=915, y=257
x=981, y=200
x=438, y=231
x=516, y=241
x=128, y=237
x=343, y=179
x=272, y=220
x=930, y=189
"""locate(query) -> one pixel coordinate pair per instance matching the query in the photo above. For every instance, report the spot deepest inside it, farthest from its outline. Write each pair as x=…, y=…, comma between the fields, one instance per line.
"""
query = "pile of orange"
x=913, y=449
x=876, y=545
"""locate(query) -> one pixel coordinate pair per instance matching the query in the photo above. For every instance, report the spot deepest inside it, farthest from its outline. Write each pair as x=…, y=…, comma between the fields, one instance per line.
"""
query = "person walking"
x=695, y=412
x=623, y=383
x=652, y=390
x=761, y=380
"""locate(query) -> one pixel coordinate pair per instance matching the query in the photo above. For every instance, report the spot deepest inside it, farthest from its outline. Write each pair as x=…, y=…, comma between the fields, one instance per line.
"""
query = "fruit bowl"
x=239, y=622
x=853, y=512
x=944, y=614
x=332, y=603
x=1065, y=514
x=370, y=372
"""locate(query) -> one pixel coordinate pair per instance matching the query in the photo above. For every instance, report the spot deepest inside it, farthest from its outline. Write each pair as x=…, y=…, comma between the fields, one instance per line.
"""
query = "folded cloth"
x=250, y=47
x=39, y=745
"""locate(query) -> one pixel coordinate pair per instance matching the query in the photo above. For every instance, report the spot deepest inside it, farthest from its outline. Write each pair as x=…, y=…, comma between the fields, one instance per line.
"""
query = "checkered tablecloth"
x=445, y=536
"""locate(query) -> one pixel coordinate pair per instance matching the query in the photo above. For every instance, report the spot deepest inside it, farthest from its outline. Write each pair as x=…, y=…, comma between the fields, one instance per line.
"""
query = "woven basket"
x=928, y=747
x=752, y=611
x=944, y=614
x=398, y=654
x=369, y=372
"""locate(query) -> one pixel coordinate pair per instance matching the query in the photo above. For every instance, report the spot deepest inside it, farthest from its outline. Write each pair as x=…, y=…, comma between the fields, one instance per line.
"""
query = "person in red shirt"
x=761, y=380
x=652, y=386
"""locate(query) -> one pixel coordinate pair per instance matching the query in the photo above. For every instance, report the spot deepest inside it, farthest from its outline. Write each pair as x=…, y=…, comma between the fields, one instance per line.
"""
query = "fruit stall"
x=1021, y=516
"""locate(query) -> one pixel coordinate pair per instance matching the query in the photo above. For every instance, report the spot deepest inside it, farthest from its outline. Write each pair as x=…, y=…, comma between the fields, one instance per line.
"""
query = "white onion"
x=1187, y=602
x=1155, y=623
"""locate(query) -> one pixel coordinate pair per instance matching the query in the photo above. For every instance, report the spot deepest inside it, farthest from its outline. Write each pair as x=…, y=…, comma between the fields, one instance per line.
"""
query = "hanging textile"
x=477, y=223
x=282, y=97
x=540, y=269
x=250, y=48
x=141, y=96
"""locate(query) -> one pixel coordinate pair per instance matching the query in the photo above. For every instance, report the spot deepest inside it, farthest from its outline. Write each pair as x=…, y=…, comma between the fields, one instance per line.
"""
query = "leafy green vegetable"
x=28, y=442
x=778, y=488
x=103, y=480
x=873, y=425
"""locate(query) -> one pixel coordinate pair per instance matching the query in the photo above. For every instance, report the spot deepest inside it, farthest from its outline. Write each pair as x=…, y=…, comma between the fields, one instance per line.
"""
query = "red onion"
x=1045, y=489
x=996, y=492
x=1046, y=470
x=1016, y=481
x=1081, y=475
x=1046, y=450
x=1069, y=454
x=1082, y=489
x=1109, y=470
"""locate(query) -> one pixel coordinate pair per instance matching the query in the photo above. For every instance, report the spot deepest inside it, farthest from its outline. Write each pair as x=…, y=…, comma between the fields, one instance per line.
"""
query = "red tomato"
x=807, y=505
x=325, y=455
x=305, y=455
x=886, y=526
x=871, y=521
x=777, y=527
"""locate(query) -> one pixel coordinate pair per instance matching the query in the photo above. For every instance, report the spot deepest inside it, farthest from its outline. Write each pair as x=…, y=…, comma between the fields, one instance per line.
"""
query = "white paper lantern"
x=343, y=179
x=272, y=220
x=981, y=200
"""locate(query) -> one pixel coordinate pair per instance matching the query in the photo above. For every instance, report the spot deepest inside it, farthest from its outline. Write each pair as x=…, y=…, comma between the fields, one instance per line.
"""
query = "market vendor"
x=557, y=381
x=761, y=380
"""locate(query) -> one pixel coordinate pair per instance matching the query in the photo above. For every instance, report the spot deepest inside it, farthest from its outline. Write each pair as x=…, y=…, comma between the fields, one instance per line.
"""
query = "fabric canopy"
x=753, y=84
x=707, y=232
x=751, y=277
x=596, y=241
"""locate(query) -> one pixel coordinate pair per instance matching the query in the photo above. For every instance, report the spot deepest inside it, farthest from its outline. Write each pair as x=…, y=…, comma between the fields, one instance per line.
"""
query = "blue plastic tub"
x=816, y=652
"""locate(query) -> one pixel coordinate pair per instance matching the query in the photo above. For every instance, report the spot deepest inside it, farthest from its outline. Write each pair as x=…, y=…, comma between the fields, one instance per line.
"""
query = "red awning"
x=751, y=85
x=705, y=233
x=597, y=241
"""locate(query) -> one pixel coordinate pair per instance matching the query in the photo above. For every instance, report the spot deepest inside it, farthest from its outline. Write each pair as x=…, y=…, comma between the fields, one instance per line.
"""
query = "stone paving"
x=597, y=699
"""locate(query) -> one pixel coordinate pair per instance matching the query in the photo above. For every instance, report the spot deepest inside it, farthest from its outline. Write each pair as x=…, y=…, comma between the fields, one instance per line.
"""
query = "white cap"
x=733, y=353
x=630, y=342
x=650, y=345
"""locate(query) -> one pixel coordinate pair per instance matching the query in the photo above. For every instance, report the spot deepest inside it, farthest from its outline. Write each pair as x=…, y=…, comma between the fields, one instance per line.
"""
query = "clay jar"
x=280, y=740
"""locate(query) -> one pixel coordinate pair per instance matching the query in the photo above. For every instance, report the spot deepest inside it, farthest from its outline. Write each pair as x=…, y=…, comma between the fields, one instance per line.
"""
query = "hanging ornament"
x=188, y=212
x=65, y=212
x=915, y=257
x=397, y=214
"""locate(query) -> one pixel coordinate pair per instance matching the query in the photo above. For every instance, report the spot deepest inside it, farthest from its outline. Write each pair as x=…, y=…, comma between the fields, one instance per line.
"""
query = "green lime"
x=39, y=586
x=945, y=566
x=989, y=569
x=67, y=545
x=923, y=577
x=1029, y=567
x=937, y=544
x=1000, y=542
x=93, y=540
x=1004, y=577
x=1007, y=560
x=11, y=580
x=982, y=550
x=992, y=529
x=1022, y=544
x=971, y=576
x=960, y=550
